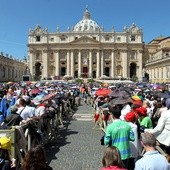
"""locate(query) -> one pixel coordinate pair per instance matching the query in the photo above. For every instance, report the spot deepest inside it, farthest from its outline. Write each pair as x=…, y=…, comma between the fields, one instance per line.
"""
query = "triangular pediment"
x=85, y=40
x=38, y=31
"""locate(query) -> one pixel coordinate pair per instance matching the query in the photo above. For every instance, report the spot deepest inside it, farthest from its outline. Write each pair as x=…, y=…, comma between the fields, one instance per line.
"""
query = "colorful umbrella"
x=136, y=97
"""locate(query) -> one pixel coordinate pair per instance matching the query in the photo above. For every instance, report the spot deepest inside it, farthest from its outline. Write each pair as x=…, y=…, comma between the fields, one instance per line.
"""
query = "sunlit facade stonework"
x=86, y=50
x=158, y=60
x=11, y=69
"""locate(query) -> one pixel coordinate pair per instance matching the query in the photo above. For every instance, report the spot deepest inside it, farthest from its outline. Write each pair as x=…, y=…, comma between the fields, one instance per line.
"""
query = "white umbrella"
x=67, y=77
x=103, y=77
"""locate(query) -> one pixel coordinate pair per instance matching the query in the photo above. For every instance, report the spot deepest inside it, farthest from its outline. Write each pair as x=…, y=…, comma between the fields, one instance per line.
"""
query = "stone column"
x=45, y=64
x=79, y=64
x=112, y=64
x=90, y=63
x=98, y=65
x=102, y=63
x=125, y=63
x=68, y=63
x=139, y=75
x=72, y=63
x=57, y=63
x=30, y=62
x=6, y=73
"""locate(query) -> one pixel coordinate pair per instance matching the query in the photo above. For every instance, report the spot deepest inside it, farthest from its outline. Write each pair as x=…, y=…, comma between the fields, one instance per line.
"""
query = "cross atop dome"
x=86, y=7
x=86, y=13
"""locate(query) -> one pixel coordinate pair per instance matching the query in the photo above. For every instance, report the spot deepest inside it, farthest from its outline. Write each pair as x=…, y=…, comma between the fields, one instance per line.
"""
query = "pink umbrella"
x=35, y=91
x=48, y=97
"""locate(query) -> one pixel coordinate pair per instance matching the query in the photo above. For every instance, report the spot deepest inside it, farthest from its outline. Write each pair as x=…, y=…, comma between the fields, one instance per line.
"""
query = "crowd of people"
x=41, y=108
x=137, y=120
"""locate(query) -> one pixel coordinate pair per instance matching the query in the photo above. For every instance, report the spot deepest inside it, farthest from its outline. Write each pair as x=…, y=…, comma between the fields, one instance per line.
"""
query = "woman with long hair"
x=35, y=159
x=112, y=159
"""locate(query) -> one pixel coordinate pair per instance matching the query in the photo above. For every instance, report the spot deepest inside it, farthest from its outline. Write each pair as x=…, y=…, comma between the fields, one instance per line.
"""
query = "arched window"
x=133, y=68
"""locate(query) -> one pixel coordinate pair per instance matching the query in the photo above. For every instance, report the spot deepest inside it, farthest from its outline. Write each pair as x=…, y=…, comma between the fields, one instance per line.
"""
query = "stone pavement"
x=78, y=146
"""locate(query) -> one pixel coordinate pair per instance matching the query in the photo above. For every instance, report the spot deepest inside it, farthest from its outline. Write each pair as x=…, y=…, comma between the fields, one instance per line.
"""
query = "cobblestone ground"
x=78, y=145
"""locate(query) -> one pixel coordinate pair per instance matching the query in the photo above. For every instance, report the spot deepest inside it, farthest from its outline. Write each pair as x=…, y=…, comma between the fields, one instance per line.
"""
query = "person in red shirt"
x=112, y=159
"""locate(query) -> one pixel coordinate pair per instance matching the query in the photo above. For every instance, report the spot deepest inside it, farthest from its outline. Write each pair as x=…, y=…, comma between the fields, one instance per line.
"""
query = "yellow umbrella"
x=10, y=82
x=33, y=82
x=105, y=85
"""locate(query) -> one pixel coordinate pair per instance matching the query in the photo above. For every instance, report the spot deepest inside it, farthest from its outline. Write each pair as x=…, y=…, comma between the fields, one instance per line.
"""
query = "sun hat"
x=5, y=143
x=142, y=111
x=130, y=117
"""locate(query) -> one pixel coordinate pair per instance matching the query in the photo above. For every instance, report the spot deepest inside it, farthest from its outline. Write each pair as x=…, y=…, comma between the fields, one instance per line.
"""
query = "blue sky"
x=17, y=16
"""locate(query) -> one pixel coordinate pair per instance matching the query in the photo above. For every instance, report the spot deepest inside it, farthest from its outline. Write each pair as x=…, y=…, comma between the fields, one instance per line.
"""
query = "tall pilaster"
x=98, y=65
x=112, y=64
x=72, y=63
x=140, y=65
x=102, y=63
x=90, y=63
x=57, y=63
x=45, y=64
x=68, y=63
x=79, y=63
x=125, y=63
x=30, y=62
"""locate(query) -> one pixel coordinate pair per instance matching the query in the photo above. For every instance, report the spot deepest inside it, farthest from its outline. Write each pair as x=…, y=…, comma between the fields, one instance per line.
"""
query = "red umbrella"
x=35, y=91
x=103, y=92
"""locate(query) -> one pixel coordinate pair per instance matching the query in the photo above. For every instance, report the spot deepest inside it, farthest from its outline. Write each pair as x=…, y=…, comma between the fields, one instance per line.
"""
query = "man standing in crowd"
x=119, y=133
x=152, y=159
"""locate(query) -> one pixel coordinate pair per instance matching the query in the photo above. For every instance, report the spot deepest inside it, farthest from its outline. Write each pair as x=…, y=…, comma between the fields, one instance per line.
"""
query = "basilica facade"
x=86, y=51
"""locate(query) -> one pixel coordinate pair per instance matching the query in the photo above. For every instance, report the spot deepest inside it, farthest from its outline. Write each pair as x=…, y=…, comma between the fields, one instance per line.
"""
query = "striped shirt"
x=120, y=133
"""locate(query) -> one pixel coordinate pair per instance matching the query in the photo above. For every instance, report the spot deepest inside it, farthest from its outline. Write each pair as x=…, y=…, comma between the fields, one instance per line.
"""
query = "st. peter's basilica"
x=86, y=51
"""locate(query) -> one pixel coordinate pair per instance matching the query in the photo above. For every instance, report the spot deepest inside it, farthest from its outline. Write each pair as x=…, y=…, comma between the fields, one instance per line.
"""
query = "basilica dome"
x=86, y=24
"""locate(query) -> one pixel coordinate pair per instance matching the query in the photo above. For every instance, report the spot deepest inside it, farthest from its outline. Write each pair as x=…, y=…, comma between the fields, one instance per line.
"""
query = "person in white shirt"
x=28, y=111
x=126, y=108
x=21, y=105
x=162, y=130
x=131, y=118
